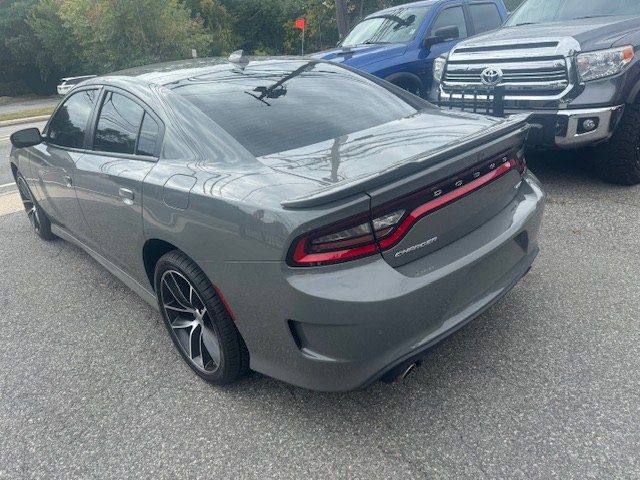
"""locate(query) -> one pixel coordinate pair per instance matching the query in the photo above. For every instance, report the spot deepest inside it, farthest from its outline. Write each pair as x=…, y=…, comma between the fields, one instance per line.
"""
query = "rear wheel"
x=199, y=324
x=38, y=219
x=618, y=161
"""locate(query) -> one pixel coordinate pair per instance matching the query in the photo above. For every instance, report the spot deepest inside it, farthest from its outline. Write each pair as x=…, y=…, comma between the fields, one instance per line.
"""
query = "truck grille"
x=523, y=77
x=528, y=70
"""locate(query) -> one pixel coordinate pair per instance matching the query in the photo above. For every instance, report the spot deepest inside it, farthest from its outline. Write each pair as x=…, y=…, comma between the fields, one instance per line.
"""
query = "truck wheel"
x=618, y=161
x=409, y=86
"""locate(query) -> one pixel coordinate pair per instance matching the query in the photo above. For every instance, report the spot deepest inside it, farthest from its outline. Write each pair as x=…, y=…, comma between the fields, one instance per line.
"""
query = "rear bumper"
x=338, y=329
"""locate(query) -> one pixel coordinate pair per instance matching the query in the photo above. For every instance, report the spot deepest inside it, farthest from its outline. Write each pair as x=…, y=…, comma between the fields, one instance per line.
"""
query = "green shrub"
x=13, y=88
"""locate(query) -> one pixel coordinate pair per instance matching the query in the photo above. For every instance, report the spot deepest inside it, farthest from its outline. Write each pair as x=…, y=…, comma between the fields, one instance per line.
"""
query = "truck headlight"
x=438, y=68
x=604, y=63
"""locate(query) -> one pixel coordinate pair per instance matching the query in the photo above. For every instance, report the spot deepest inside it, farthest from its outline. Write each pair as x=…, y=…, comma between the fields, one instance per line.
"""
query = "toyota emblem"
x=491, y=76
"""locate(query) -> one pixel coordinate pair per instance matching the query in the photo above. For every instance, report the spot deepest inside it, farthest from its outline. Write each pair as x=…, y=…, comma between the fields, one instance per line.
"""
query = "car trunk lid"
x=416, y=206
x=437, y=215
x=433, y=144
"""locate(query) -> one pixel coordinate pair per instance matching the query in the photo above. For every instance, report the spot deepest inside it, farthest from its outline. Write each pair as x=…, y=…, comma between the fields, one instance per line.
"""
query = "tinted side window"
x=148, y=137
x=69, y=125
x=451, y=17
x=485, y=16
x=118, y=124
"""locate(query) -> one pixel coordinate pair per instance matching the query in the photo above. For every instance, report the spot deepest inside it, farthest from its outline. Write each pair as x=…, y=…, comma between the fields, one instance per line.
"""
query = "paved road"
x=29, y=104
x=545, y=385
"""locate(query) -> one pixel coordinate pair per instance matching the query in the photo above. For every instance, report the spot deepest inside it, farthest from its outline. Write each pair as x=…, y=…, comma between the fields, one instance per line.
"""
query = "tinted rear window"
x=274, y=107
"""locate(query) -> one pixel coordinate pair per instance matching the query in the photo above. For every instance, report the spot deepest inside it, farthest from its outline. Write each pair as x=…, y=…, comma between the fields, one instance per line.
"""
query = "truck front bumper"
x=565, y=128
x=568, y=129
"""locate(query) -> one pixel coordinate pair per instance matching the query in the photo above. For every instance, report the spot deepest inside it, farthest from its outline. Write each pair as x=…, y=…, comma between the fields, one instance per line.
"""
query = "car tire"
x=39, y=220
x=618, y=161
x=198, y=322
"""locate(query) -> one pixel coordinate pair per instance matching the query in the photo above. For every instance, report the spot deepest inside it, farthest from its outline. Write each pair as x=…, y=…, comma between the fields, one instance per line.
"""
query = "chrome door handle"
x=68, y=181
x=126, y=195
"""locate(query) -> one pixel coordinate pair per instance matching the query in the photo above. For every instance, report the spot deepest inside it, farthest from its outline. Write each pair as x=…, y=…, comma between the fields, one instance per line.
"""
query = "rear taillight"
x=363, y=235
x=349, y=240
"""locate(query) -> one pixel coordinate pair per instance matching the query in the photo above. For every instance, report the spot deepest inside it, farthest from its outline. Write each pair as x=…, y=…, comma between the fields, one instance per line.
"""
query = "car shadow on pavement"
x=558, y=167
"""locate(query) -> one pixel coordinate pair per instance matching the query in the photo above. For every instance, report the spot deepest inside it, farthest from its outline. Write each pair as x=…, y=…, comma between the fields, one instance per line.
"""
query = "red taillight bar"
x=301, y=255
x=442, y=201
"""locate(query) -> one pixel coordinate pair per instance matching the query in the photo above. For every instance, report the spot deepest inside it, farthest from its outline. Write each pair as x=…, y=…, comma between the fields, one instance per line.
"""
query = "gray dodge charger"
x=289, y=216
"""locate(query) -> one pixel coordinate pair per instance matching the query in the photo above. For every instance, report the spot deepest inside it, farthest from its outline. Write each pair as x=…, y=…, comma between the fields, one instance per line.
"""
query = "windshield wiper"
x=374, y=42
x=524, y=23
x=404, y=22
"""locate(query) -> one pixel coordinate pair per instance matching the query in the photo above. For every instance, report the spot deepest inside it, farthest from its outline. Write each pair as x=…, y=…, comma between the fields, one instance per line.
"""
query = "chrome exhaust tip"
x=401, y=372
x=408, y=371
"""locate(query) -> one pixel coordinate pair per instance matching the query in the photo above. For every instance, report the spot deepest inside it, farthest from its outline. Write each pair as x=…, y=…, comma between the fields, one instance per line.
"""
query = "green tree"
x=57, y=53
x=16, y=47
x=217, y=23
x=35, y=48
x=114, y=34
x=258, y=24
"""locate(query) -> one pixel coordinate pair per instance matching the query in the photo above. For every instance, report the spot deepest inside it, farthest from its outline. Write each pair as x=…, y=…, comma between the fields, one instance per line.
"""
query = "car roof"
x=172, y=72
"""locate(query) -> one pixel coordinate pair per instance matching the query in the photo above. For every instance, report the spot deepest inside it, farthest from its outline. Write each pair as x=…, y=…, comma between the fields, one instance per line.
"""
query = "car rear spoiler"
x=513, y=125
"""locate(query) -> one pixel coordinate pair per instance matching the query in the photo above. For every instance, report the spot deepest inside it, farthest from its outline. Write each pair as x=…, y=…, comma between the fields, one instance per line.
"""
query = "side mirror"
x=26, y=138
x=442, y=35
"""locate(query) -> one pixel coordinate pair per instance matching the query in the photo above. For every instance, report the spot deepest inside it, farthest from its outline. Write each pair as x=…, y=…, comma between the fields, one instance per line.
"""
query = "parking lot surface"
x=546, y=384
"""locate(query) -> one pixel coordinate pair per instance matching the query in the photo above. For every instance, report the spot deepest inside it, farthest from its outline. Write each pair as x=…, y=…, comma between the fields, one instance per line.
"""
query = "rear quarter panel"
x=239, y=237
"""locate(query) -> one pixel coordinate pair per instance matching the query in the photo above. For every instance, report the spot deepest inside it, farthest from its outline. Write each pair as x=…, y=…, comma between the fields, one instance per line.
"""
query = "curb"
x=21, y=121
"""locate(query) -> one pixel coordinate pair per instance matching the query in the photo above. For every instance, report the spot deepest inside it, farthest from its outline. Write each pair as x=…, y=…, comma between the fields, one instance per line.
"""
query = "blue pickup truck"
x=401, y=43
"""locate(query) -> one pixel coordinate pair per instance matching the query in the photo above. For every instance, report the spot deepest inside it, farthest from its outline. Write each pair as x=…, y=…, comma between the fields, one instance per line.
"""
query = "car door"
x=124, y=146
x=449, y=15
x=53, y=162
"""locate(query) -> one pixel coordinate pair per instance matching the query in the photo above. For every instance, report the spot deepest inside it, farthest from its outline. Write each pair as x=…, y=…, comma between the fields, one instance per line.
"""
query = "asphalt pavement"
x=19, y=104
x=545, y=385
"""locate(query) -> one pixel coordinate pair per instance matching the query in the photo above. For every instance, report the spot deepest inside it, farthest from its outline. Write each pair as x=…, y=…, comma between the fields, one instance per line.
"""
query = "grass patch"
x=34, y=112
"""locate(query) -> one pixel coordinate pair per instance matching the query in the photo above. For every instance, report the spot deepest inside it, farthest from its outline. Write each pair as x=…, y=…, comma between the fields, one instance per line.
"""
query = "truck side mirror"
x=26, y=138
x=442, y=35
